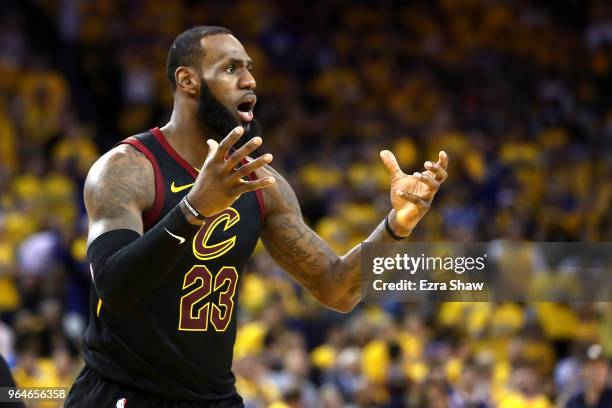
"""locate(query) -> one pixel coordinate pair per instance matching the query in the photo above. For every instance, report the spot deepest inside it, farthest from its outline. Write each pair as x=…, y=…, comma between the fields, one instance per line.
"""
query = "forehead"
x=220, y=47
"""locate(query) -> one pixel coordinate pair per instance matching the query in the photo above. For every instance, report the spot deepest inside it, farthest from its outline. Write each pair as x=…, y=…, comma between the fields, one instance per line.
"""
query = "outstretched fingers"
x=227, y=143
x=243, y=152
x=428, y=180
x=436, y=171
x=443, y=159
x=246, y=186
x=253, y=165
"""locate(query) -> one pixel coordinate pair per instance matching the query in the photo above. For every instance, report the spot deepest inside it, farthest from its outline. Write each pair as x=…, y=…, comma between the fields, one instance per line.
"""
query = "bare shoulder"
x=280, y=197
x=119, y=186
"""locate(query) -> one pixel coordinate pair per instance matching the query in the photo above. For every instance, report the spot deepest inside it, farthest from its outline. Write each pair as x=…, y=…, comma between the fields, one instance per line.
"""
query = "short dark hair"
x=186, y=50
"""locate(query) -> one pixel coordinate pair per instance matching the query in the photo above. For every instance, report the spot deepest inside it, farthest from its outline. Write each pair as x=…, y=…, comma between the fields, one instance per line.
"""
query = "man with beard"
x=173, y=217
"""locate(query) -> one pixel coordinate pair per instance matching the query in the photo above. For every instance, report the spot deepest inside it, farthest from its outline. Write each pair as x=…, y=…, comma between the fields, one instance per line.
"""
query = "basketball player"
x=174, y=214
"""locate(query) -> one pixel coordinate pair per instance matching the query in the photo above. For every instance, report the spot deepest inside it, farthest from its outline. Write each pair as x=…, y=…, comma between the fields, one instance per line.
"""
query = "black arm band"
x=391, y=232
x=192, y=210
x=127, y=266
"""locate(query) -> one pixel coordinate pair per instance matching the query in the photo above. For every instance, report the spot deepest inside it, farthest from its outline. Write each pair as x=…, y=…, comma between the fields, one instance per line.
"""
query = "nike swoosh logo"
x=176, y=189
x=180, y=239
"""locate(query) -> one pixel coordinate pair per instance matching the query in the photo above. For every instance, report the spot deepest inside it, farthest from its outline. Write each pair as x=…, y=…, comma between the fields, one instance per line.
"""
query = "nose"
x=247, y=81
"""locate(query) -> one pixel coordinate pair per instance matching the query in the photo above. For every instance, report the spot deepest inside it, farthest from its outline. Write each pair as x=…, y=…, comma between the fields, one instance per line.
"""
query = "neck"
x=187, y=137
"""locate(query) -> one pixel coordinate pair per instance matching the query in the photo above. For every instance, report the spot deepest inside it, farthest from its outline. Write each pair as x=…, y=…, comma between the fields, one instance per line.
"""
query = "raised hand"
x=411, y=195
x=220, y=183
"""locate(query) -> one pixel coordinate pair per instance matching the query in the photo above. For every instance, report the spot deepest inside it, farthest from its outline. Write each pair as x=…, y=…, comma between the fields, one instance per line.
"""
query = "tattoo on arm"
x=119, y=186
x=335, y=281
x=300, y=251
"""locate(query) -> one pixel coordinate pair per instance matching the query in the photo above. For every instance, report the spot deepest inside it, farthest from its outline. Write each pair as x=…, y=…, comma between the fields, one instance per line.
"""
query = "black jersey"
x=177, y=341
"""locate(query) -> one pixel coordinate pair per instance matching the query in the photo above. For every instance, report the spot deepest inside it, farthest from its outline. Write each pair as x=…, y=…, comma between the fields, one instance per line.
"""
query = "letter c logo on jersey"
x=204, y=250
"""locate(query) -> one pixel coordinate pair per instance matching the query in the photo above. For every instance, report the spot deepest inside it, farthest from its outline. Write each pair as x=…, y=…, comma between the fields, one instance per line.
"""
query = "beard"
x=215, y=117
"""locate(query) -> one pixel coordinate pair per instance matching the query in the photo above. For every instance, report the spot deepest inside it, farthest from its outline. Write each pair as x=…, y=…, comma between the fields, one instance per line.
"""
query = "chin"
x=251, y=128
x=246, y=126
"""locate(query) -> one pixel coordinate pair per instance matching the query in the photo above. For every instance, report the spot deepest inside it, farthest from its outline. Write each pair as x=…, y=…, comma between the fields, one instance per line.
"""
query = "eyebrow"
x=246, y=62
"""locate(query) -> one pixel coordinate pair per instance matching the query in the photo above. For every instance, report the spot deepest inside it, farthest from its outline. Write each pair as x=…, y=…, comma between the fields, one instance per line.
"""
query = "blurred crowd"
x=516, y=92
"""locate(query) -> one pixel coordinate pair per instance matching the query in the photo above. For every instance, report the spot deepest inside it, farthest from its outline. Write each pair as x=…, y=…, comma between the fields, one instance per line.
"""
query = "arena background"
x=517, y=93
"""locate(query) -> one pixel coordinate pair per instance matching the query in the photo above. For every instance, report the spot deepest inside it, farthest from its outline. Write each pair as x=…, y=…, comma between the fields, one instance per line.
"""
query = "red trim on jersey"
x=157, y=133
x=258, y=194
x=177, y=157
x=150, y=216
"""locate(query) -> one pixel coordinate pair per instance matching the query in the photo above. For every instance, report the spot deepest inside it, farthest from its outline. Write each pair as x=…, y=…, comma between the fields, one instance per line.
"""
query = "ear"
x=187, y=80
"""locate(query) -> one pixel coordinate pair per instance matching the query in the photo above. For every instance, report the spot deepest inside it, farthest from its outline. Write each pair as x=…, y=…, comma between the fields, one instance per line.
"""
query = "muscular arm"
x=126, y=265
x=119, y=187
x=336, y=281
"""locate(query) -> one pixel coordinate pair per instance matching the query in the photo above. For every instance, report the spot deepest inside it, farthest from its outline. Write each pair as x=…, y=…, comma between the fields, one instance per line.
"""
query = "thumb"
x=390, y=162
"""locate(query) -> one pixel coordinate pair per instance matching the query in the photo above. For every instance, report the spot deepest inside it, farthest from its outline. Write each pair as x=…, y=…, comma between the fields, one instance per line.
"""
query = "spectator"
x=597, y=392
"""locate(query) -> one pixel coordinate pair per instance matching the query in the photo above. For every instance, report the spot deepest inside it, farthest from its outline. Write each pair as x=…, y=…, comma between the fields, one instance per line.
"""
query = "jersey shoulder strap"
x=143, y=142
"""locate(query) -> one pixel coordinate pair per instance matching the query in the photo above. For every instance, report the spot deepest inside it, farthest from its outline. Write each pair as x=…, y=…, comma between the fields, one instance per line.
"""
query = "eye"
x=231, y=69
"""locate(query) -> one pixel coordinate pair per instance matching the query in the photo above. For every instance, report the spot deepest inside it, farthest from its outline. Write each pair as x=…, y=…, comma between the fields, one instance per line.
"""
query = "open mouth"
x=245, y=108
